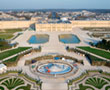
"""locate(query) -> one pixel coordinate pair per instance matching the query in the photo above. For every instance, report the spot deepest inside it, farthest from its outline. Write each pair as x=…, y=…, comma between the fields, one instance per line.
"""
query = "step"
x=54, y=86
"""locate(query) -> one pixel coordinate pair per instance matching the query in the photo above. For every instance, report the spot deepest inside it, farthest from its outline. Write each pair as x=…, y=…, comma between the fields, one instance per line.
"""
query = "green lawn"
x=83, y=87
x=92, y=82
x=27, y=87
x=93, y=58
x=4, y=45
x=12, y=52
x=8, y=33
x=96, y=82
x=11, y=60
x=16, y=81
x=12, y=83
x=97, y=52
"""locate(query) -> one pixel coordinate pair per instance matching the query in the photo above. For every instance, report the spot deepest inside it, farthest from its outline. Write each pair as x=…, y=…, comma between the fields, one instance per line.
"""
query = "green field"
x=93, y=58
x=12, y=52
x=8, y=33
x=98, y=52
x=11, y=60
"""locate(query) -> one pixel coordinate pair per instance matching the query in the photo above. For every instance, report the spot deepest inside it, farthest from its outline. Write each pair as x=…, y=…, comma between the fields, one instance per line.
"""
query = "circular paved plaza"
x=53, y=68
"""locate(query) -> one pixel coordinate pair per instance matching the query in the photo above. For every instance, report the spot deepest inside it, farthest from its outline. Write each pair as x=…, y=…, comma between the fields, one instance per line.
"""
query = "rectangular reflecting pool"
x=38, y=39
x=69, y=39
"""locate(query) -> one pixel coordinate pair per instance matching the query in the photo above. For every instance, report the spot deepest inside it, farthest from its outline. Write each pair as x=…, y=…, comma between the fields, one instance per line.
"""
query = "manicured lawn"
x=16, y=81
x=13, y=30
x=96, y=82
x=12, y=52
x=8, y=33
x=82, y=87
x=92, y=82
x=4, y=45
x=97, y=52
x=95, y=58
x=12, y=83
x=11, y=60
x=27, y=87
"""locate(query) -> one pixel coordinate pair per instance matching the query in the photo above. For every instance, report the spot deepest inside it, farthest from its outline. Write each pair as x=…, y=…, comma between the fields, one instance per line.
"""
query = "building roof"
x=54, y=15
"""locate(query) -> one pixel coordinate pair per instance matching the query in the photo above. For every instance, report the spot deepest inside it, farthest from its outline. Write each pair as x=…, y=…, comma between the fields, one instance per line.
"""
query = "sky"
x=54, y=4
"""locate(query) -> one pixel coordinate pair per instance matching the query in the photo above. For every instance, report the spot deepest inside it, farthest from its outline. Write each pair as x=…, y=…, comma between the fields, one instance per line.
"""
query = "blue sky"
x=54, y=4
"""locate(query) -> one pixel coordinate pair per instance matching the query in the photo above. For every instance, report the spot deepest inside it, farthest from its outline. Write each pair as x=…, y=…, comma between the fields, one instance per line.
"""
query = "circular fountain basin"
x=54, y=68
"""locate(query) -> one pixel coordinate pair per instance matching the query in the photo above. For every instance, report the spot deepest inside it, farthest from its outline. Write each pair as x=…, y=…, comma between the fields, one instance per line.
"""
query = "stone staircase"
x=54, y=86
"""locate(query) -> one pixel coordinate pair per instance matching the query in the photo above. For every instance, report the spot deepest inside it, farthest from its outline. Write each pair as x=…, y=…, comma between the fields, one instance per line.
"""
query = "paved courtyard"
x=55, y=47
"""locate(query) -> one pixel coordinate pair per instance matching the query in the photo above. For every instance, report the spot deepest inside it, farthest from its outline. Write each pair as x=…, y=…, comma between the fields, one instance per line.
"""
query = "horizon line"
x=58, y=9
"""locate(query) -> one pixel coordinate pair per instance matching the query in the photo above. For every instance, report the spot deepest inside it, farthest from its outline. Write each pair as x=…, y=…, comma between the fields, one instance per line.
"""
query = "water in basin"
x=54, y=68
x=69, y=38
x=38, y=39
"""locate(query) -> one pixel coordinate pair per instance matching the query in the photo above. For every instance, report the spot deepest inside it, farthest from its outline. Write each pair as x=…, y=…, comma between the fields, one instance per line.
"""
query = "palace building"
x=52, y=26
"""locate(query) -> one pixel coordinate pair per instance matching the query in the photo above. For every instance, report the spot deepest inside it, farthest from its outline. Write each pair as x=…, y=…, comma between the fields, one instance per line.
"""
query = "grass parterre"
x=8, y=53
x=98, y=52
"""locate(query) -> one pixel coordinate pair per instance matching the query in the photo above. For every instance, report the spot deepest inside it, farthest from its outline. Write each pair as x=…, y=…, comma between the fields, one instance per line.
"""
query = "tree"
x=104, y=41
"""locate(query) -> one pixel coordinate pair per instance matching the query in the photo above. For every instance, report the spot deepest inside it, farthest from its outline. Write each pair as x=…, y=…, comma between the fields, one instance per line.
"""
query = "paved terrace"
x=53, y=36
x=53, y=46
x=56, y=84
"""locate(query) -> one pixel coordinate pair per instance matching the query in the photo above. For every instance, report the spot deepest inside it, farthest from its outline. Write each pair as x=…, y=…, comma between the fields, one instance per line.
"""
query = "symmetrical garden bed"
x=92, y=81
x=14, y=81
x=8, y=33
x=98, y=52
x=8, y=53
